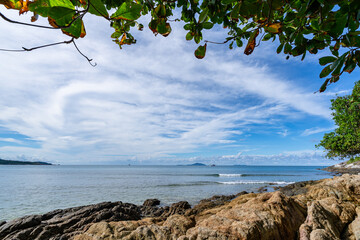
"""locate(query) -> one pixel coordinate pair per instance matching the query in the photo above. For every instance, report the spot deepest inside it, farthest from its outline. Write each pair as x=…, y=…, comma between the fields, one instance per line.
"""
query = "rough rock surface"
x=315, y=210
x=62, y=224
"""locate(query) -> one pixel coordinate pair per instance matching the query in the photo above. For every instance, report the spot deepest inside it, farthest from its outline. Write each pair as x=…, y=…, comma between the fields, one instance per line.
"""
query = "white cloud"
x=283, y=133
x=315, y=130
x=153, y=99
x=10, y=140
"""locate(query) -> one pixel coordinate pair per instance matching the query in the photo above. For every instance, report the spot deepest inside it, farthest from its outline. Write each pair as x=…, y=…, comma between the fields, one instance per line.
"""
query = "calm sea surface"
x=28, y=190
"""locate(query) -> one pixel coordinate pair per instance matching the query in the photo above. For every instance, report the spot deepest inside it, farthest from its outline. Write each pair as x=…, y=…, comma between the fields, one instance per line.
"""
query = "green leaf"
x=76, y=30
x=98, y=8
x=187, y=26
x=116, y=34
x=62, y=16
x=197, y=38
x=326, y=71
x=267, y=37
x=357, y=57
x=42, y=7
x=189, y=36
x=163, y=28
x=203, y=15
x=279, y=49
x=225, y=2
x=325, y=60
x=200, y=52
x=339, y=26
x=239, y=43
x=128, y=11
x=324, y=85
x=235, y=11
x=287, y=48
x=338, y=64
x=350, y=65
x=208, y=25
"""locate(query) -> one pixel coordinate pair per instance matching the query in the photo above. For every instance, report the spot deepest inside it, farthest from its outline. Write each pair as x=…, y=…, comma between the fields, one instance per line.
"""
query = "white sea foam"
x=229, y=175
x=258, y=182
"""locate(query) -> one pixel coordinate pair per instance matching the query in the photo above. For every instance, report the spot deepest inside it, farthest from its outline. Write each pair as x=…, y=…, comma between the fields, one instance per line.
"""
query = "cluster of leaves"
x=344, y=142
x=300, y=26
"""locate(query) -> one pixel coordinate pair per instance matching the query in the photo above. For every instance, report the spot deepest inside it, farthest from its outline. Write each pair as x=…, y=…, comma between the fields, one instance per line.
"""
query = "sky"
x=155, y=103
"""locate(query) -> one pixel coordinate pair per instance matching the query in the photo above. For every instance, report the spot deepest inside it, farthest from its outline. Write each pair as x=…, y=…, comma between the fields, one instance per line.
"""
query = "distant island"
x=11, y=162
x=197, y=164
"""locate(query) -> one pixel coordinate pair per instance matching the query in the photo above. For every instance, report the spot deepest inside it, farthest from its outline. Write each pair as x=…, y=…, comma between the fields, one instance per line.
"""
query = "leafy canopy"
x=300, y=26
x=344, y=142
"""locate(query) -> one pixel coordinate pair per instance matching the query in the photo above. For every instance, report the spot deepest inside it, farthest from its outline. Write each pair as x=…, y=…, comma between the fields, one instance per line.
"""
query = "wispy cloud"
x=10, y=140
x=315, y=130
x=146, y=101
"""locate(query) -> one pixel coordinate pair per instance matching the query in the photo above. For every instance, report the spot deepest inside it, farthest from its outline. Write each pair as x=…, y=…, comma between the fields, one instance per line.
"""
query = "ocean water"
x=28, y=190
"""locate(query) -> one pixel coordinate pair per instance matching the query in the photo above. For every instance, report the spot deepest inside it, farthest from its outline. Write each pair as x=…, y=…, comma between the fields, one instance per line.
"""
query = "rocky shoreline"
x=344, y=167
x=312, y=210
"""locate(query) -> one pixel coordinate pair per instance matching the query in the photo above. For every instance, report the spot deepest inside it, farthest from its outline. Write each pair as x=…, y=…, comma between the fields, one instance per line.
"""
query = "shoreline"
x=73, y=222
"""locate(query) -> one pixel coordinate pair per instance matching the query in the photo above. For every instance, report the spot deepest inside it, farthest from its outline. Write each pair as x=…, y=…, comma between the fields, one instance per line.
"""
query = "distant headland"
x=12, y=162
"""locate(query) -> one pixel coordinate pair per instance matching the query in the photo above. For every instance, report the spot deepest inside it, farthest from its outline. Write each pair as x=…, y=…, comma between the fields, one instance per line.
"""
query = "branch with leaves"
x=300, y=27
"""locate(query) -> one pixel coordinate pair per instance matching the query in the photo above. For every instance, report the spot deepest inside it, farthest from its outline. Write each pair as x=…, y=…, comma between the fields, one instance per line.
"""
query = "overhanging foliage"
x=300, y=26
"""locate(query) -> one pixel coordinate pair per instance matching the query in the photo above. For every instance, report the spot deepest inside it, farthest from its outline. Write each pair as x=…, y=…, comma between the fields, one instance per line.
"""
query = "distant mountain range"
x=11, y=162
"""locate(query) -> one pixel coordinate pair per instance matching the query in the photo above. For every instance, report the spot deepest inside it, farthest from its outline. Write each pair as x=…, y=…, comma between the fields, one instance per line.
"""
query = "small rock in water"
x=262, y=189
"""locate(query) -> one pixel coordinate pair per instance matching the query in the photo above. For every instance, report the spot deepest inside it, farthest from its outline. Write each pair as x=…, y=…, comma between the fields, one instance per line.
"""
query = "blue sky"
x=155, y=103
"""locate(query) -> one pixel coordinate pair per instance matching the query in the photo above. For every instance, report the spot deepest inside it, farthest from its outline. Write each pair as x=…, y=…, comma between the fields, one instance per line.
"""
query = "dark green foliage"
x=344, y=142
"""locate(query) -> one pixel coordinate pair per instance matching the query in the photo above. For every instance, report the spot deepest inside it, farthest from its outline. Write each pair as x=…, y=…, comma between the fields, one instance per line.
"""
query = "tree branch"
x=88, y=59
x=21, y=23
x=34, y=48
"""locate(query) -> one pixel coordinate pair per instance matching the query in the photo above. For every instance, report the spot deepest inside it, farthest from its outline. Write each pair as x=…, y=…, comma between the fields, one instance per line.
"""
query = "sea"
x=26, y=190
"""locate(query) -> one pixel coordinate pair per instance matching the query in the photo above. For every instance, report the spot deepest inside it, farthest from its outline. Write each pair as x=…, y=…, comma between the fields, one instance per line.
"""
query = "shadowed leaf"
x=200, y=52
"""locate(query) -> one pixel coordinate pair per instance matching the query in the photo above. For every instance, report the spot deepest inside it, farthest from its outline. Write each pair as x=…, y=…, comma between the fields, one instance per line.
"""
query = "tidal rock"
x=150, y=208
x=177, y=208
x=344, y=167
x=151, y=202
x=62, y=224
x=296, y=188
x=215, y=201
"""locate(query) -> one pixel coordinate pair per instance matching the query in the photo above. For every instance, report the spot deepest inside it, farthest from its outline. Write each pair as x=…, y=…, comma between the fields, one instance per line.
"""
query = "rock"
x=65, y=223
x=150, y=208
x=296, y=188
x=262, y=189
x=344, y=167
x=151, y=202
x=174, y=227
x=177, y=208
x=345, y=188
x=327, y=219
x=212, y=202
x=355, y=226
x=315, y=210
x=153, y=211
x=251, y=216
